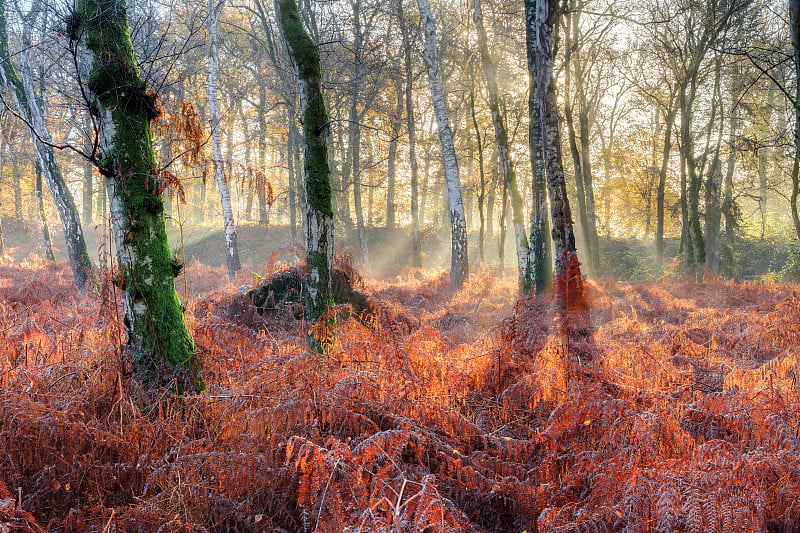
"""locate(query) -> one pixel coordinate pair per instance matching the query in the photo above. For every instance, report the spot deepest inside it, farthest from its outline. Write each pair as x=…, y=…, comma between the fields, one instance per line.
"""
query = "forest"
x=399, y=266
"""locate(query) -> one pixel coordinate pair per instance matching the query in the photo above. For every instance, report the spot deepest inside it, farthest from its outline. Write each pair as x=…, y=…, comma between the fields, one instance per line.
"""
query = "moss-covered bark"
x=319, y=204
x=124, y=108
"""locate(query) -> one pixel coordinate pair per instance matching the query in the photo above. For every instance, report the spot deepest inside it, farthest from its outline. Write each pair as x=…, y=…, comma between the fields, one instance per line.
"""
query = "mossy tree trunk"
x=539, y=242
x=316, y=128
x=524, y=270
x=123, y=109
x=22, y=89
x=215, y=8
x=459, y=262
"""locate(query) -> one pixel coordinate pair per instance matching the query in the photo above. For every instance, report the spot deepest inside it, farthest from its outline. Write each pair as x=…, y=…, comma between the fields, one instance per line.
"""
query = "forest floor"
x=672, y=407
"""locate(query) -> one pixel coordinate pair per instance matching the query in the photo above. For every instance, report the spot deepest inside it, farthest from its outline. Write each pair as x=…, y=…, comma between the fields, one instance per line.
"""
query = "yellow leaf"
x=66, y=487
x=587, y=422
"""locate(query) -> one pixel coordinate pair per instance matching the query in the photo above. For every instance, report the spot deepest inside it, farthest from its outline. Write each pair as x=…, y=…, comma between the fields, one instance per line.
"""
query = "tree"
x=123, y=108
x=215, y=8
x=526, y=283
x=408, y=69
x=459, y=263
x=316, y=128
x=23, y=91
x=546, y=16
x=794, y=28
x=539, y=243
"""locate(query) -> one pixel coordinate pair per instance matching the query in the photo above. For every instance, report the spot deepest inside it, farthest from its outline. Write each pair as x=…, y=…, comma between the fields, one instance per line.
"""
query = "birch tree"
x=545, y=16
x=411, y=125
x=539, y=243
x=123, y=108
x=24, y=95
x=504, y=151
x=316, y=128
x=215, y=8
x=459, y=263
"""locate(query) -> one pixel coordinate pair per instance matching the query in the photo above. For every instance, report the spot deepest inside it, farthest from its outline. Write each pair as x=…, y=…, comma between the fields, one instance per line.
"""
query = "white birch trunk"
x=459, y=264
x=215, y=8
x=40, y=136
x=504, y=150
x=546, y=16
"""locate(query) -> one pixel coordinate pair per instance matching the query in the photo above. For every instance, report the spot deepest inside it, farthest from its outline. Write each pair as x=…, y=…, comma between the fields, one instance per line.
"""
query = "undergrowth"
x=670, y=406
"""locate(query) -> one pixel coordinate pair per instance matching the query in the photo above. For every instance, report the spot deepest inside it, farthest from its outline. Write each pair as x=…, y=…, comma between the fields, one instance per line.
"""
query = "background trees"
x=678, y=130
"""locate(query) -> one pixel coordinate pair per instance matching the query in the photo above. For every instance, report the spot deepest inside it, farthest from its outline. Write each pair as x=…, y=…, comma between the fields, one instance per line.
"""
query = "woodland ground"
x=674, y=407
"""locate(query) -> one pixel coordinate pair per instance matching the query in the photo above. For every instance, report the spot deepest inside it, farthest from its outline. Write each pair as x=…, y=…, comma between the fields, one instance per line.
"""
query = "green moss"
x=156, y=324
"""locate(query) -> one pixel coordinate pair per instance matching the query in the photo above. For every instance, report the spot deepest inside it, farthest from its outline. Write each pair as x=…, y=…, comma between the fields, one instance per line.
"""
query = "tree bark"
x=794, y=25
x=459, y=263
x=408, y=66
x=546, y=16
x=482, y=172
x=316, y=128
x=123, y=109
x=763, y=157
x=539, y=241
x=215, y=8
x=391, y=206
x=577, y=162
x=43, y=225
x=662, y=179
x=23, y=93
x=262, y=152
x=524, y=271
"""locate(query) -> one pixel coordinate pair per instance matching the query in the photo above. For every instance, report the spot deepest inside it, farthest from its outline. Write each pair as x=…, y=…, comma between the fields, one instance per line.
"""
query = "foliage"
x=679, y=413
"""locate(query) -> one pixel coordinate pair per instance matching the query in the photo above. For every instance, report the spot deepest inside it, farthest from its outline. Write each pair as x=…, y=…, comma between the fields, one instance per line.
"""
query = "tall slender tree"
x=539, y=243
x=546, y=13
x=215, y=8
x=316, y=128
x=459, y=262
x=23, y=91
x=524, y=271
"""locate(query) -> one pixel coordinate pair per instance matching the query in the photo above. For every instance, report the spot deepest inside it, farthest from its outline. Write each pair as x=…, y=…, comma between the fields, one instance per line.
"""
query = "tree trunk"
x=586, y=163
x=662, y=179
x=482, y=192
x=316, y=128
x=563, y=236
x=88, y=194
x=354, y=130
x=215, y=8
x=408, y=66
x=262, y=153
x=524, y=271
x=539, y=242
x=391, y=207
x=43, y=225
x=763, y=158
x=713, y=184
x=17, y=175
x=794, y=25
x=459, y=263
x=22, y=90
x=124, y=109
x=577, y=163
x=728, y=205
x=293, y=171
x=695, y=233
